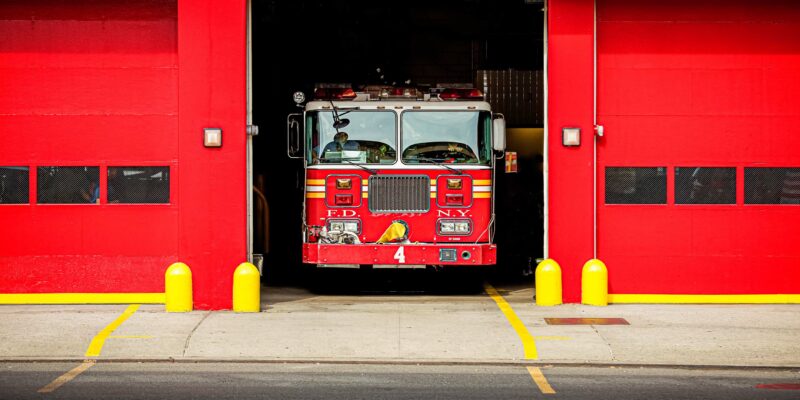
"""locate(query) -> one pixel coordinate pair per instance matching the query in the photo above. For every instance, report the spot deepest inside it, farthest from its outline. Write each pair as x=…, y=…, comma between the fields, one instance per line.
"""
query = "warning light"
x=511, y=162
x=461, y=94
x=454, y=184
x=454, y=199
x=344, y=183
x=399, y=92
x=334, y=94
x=343, y=200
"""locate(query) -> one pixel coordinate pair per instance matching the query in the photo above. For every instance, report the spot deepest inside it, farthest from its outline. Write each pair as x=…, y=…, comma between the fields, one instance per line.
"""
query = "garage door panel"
x=83, y=273
x=691, y=274
x=699, y=84
x=88, y=83
x=781, y=89
x=730, y=92
x=643, y=230
x=68, y=138
x=715, y=231
x=90, y=229
x=772, y=231
x=92, y=91
x=726, y=11
x=630, y=91
x=701, y=140
x=80, y=44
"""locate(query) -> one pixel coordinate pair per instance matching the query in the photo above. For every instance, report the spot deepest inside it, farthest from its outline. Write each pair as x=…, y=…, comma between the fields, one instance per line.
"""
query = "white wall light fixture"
x=571, y=136
x=212, y=137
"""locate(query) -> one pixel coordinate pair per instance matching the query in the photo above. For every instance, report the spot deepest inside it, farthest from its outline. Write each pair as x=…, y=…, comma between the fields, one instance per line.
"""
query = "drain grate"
x=586, y=321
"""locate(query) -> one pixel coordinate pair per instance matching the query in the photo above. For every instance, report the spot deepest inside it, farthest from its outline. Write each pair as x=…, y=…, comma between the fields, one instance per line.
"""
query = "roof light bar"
x=461, y=94
x=334, y=94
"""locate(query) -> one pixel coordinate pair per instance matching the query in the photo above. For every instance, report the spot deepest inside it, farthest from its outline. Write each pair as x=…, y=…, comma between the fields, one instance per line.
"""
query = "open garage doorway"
x=495, y=46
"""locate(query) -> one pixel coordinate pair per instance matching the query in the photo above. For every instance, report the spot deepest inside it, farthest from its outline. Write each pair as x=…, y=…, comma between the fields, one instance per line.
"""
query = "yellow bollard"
x=246, y=288
x=594, y=283
x=548, y=283
x=178, y=288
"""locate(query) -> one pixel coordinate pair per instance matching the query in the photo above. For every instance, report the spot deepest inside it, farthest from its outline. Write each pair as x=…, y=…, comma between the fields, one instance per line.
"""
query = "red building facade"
x=692, y=191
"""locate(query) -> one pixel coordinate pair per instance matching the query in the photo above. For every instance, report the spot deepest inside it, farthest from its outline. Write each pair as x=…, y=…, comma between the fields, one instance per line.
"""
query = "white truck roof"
x=400, y=105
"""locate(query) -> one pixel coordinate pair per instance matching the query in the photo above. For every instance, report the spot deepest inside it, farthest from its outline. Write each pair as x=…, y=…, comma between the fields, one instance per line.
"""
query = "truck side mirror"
x=499, y=133
x=294, y=142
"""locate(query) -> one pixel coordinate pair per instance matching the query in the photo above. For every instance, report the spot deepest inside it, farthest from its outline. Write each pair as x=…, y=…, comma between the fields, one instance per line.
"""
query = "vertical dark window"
x=705, y=185
x=636, y=185
x=138, y=185
x=14, y=185
x=772, y=185
x=67, y=185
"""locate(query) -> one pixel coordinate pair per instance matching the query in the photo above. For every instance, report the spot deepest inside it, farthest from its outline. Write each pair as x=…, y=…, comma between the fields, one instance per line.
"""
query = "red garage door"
x=699, y=173
x=89, y=148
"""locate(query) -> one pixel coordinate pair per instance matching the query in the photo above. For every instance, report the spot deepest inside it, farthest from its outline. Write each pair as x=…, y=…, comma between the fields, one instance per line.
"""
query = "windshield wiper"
x=432, y=161
x=371, y=171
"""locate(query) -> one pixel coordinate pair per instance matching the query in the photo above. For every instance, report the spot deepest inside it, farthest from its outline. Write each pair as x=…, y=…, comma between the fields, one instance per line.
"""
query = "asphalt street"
x=353, y=381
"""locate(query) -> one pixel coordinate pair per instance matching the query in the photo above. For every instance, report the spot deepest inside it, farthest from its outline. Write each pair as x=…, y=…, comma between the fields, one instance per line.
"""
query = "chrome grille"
x=399, y=193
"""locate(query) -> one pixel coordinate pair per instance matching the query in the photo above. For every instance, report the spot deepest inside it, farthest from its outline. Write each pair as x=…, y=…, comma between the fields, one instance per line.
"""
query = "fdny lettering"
x=449, y=213
x=341, y=213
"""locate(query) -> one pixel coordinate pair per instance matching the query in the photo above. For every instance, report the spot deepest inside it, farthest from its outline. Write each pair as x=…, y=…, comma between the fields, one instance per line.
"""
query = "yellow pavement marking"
x=705, y=298
x=97, y=343
x=528, y=344
x=81, y=298
x=130, y=337
x=552, y=338
x=540, y=380
x=68, y=376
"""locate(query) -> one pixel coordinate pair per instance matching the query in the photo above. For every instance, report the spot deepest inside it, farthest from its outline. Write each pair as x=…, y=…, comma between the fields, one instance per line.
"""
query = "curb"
x=489, y=363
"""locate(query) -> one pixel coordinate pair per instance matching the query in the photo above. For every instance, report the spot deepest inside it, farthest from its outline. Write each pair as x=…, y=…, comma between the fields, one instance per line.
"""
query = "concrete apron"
x=296, y=326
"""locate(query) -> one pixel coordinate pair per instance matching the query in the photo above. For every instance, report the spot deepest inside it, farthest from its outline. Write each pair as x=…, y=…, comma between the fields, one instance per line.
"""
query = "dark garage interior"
x=495, y=45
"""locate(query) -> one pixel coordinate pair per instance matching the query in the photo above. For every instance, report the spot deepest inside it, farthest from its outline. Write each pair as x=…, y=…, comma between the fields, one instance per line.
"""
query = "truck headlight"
x=447, y=227
x=462, y=227
x=337, y=226
x=351, y=226
x=455, y=227
x=345, y=225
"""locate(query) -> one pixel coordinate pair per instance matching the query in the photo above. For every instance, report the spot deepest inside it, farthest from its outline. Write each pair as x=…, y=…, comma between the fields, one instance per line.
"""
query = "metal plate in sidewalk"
x=586, y=321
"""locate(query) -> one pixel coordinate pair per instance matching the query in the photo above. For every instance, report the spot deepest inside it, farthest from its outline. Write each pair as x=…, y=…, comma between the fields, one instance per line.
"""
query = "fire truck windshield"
x=454, y=137
x=370, y=138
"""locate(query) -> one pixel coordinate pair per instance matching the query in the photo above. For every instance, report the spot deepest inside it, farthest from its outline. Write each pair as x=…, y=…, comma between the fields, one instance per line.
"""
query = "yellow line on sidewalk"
x=130, y=337
x=68, y=376
x=97, y=343
x=528, y=344
x=552, y=338
x=540, y=380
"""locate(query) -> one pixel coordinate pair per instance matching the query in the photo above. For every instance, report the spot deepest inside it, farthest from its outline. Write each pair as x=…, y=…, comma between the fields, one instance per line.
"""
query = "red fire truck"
x=397, y=179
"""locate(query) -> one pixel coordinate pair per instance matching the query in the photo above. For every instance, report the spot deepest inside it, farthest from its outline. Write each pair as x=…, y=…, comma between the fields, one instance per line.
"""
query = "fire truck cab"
x=396, y=179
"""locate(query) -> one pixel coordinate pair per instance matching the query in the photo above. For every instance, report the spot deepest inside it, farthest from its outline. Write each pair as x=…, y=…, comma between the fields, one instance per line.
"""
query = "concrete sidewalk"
x=299, y=326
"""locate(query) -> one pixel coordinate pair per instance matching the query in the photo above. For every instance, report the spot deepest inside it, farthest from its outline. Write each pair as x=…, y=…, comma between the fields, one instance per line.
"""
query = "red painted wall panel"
x=88, y=83
x=570, y=75
x=700, y=83
x=212, y=224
